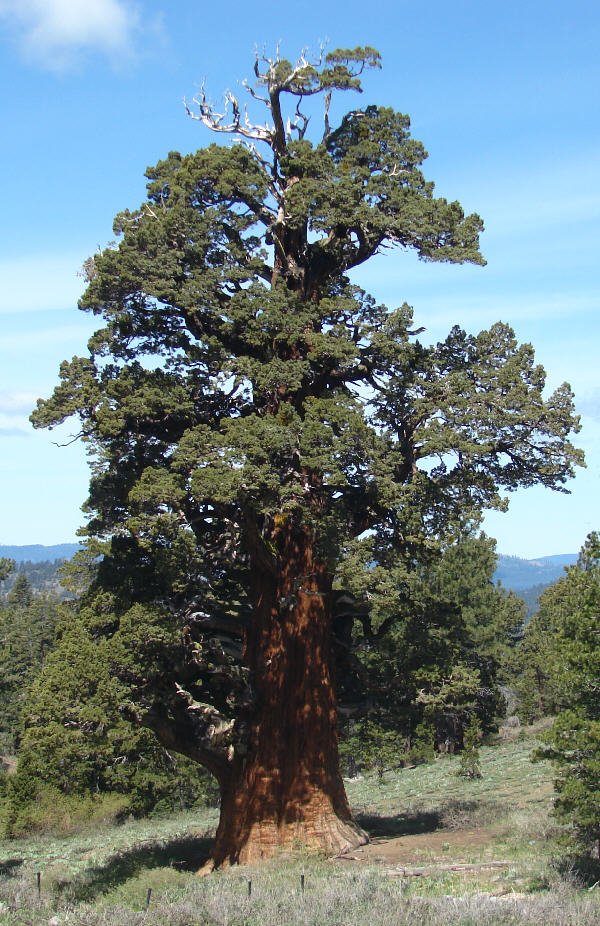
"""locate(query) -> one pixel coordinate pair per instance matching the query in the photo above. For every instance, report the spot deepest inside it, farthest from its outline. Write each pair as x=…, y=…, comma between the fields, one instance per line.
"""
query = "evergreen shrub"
x=53, y=813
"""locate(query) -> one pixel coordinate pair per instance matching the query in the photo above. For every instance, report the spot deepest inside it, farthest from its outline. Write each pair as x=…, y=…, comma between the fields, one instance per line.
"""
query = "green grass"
x=507, y=774
x=513, y=797
x=426, y=816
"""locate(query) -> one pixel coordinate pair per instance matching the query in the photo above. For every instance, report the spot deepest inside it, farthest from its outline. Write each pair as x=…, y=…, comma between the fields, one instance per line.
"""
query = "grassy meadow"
x=444, y=850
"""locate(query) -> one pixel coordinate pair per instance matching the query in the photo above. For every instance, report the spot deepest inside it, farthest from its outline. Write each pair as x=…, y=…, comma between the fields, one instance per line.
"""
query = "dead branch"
x=216, y=121
x=74, y=439
x=299, y=123
x=255, y=96
x=327, y=126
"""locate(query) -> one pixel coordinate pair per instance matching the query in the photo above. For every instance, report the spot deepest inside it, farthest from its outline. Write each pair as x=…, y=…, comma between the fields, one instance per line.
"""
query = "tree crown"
x=241, y=385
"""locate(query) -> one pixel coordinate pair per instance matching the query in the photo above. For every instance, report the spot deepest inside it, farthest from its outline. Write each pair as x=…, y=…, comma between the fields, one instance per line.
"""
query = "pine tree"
x=573, y=742
x=261, y=428
x=537, y=665
x=6, y=567
x=77, y=743
x=27, y=623
x=469, y=760
x=439, y=659
x=21, y=594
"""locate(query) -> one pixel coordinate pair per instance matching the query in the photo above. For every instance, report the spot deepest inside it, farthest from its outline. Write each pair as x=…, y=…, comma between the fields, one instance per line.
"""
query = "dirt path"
x=443, y=845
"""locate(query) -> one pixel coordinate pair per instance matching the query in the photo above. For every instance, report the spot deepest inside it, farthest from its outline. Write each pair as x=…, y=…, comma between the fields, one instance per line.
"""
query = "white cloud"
x=559, y=182
x=54, y=33
x=39, y=341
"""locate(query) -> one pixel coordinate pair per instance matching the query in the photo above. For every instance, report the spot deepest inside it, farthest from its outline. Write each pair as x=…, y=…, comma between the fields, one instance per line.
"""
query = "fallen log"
x=433, y=869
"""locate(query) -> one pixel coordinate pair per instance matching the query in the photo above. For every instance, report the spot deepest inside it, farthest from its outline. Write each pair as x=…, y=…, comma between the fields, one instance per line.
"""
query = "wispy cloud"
x=12, y=403
x=589, y=405
x=55, y=33
x=38, y=341
x=546, y=201
x=440, y=311
x=40, y=282
x=13, y=432
x=14, y=426
x=15, y=408
x=443, y=294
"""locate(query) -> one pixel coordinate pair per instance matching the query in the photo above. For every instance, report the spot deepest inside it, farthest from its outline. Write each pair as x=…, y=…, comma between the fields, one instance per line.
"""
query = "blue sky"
x=504, y=96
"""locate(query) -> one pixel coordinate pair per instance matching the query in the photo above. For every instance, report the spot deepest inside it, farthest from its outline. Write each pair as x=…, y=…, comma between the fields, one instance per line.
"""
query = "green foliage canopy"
x=78, y=743
x=429, y=657
x=27, y=623
x=6, y=567
x=573, y=743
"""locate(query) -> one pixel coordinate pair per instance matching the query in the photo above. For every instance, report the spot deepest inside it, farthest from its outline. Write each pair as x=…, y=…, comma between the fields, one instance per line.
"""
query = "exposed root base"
x=333, y=837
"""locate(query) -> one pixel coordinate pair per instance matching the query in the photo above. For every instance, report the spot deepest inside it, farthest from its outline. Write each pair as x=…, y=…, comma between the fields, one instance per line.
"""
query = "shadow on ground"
x=453, y=815
x=184, y=854
x=582, y=868
x=402, y=824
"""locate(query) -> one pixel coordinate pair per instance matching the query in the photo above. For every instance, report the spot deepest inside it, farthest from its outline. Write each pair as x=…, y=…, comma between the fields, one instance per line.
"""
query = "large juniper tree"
x=263, y=431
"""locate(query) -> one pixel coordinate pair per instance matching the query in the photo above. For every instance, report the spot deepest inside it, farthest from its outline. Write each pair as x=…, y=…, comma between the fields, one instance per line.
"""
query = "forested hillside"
x=528, y=578
x=27, y=634
x=39, y=564
x=42, y=576
x=518, y=574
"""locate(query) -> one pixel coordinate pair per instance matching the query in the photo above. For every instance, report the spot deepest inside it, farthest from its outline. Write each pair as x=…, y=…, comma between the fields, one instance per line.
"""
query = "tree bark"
x=287, y=791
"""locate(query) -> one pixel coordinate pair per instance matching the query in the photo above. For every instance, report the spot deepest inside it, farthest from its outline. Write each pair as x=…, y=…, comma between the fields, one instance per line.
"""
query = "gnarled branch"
x=215, y=121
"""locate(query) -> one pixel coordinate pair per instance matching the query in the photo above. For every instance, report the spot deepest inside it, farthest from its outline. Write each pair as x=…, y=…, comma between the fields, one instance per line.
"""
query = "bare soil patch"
x=417, y=848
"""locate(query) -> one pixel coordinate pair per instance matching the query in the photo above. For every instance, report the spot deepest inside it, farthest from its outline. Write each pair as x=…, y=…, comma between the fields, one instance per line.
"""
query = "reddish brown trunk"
x=287, y=791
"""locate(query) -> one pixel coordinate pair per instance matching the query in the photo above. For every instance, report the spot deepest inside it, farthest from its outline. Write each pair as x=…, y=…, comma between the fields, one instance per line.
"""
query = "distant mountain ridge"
x=517, y=574
x=513, y=572
x=38, y=553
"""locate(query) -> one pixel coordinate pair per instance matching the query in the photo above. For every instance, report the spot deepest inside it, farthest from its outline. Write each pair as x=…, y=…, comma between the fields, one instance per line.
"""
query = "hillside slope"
x=445, y=852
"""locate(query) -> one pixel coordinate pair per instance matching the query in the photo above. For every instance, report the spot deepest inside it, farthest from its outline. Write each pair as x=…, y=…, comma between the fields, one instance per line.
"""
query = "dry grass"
x=332, y=897
x=426, y=815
